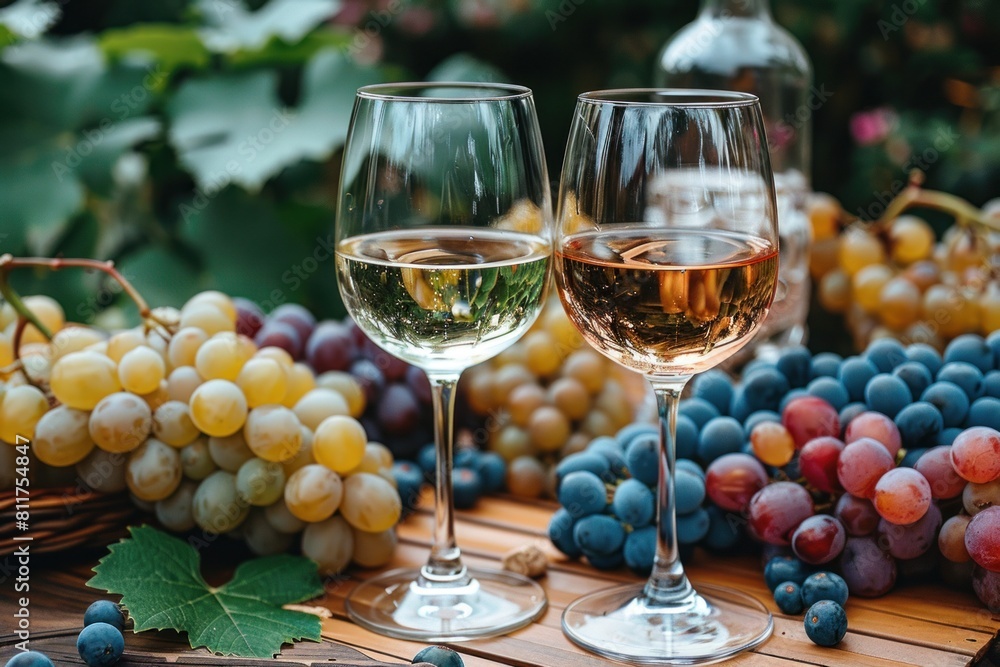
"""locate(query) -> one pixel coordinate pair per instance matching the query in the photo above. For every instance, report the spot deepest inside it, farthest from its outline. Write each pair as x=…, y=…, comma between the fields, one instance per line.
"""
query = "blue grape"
x=722, y=435
x=915, y=375
x=991, y=384
x=825, y=364
x=100, y=644
x=972, y=349
x=698, y=410
x=826, y=623
x=919, y=423
x=830, y=390
x=791, y=396
x=965, y=375
x=993, y=342
x=640, y=550
x=947, y=436
x=439, y=656
x=409, y=480
x=583, y=493
x=599, y=535
x=758, y=417
x=561, y=533
x=855, y=372
x=926, y=355
x=686, y=437
x=625, y=435
x=723, y=530
x=911, y=457
x=850, y=411
x=607, y=447
x=887, y=394
x=634, y=503
x=689, y=491
x=585, y=460
x=611, y=561
x=714, y=386
x=984, y=411
x=691, y=466
x=643, y=458
x=692, y=527
x=427, y=460
x=492, y=471
x=885, y=354
x=756, y=364
x=785, y=568
x=104, y=611
x=824, y=586
x=30, y=659
x=763, y=389
x=795, y=364
x=465, y=457
x=466, y=488
x=788, y=597
x=950, y=400
x=738, y=407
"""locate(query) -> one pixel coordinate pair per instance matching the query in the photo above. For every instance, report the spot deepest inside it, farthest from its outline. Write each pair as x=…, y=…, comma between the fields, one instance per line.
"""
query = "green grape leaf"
x=230, y=27
x=159, y=580
x=29, y=19
x=170, y=46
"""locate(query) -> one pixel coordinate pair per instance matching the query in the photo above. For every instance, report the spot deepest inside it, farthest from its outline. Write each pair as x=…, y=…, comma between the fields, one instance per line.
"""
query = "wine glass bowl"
x=666, y=260
x=443, y=251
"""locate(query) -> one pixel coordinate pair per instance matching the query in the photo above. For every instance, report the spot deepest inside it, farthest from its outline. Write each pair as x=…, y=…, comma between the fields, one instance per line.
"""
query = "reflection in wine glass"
x=443, y=258
x=667, y=261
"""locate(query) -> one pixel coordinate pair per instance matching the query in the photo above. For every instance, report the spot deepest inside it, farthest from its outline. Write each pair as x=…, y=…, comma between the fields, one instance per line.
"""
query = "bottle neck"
x=741, y=8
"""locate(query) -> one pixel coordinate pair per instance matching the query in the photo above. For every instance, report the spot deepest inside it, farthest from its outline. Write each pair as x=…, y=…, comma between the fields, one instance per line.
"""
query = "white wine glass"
x=443, y=250
x=666, y=260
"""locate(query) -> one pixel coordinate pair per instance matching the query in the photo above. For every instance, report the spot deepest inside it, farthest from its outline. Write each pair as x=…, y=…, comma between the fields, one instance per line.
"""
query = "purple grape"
x=417, y=380
x=297, y=316
x=249, y=317
x=857, y=514
x=392, y=367
x=869, y=571
x=819, y=539
x=986, y=584
x=330, y=348
x=912, y=540
x=398, y=411
x=370, y=377
x=280, y=334
x=777, y=510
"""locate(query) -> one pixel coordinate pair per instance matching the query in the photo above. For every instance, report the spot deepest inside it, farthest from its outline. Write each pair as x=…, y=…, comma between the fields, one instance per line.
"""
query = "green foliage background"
x=195, y=142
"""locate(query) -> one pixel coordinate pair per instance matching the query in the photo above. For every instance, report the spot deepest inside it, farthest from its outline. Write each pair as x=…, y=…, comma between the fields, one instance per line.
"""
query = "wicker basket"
x=64, y=518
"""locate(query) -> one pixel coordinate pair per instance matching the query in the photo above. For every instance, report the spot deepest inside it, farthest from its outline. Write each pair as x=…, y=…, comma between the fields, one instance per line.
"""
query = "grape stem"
x=915, y=196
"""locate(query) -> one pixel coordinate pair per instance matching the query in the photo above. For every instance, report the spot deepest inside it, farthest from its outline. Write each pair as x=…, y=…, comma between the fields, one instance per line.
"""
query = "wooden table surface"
x=924, y=625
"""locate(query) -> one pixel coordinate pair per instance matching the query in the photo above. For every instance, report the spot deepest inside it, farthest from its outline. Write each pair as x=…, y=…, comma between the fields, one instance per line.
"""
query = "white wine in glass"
x=443, y=260
x=666, y=260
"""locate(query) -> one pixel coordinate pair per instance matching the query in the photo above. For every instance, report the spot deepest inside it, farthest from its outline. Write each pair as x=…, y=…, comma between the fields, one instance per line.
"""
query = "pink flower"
x=871, y=127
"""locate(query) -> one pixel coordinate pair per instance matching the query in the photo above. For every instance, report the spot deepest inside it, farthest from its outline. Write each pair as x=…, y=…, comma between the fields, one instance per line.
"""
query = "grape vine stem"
x=915, y=196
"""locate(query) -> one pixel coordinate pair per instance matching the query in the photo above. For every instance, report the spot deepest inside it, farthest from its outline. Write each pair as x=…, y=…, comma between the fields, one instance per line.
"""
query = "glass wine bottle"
x=736, y=45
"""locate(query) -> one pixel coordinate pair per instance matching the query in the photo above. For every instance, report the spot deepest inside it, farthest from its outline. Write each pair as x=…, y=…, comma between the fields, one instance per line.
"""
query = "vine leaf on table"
x=159, y=579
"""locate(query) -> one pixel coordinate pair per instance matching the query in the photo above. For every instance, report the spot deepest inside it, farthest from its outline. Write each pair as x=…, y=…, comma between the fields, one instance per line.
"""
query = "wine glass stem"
x=444, y=566
x=667, y=584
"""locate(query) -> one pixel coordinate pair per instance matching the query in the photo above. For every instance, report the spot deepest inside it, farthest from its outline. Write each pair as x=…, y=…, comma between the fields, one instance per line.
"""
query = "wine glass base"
x=491, y=603
x=620, y=623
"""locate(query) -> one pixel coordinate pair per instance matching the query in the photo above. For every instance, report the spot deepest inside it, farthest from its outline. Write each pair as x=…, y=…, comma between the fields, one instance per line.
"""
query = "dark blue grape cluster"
x=100, y=642
x=439, y=656
x=475, y=473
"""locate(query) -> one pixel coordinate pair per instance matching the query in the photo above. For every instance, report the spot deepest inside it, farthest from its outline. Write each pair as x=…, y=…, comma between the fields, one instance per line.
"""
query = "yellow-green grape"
x=506, y=378
x=348, y=387
x=7, y=315
x=304, y=456
x=515, y=354
x=373, y=549
x=859, y=249
x=230, y=452
x=61, y=437
x=184, y=346
x=218, y=408
x=220, y=358
x=261, y=537
x=867, y=285
x=20, y=411
x=542, y=355
x=989, y=309
x=81, y=379
x=613, y=401
x=124, y=341
x=263, y=382
x=950, y=310
x=176, y=512
x=217, y=507
x=213, y=298
x=196, y=460
x=73, y=339
x=102, y=471
x=588, y=367
x=173, y=425
x=260, y=482
x=548, y=429
x=526, y=477
x=120, y=422
x=525, y=399
x=555, y=321
x=313, y=493
x=576, y=443
x=49, y=313
x=480, y=382
x=570, y=397
x=208, y=318
x=153, y=470
x=370, y=503
x=330, y=543
x=6, y=351
x=923, y=274
x=510, y=442
x=319, y=404
x=899, y=305
x=158, y=397
x=159, y=341
x=182, y=382
x=910, y=239
x=376, y=457
x=141, y=370
x=300, y=382
x=339, y=443
x=281, y=519
x=277, y=354
x=167, y=316
x=273, y=433
x=835, y=291
x=36, y=361
x=596, y=423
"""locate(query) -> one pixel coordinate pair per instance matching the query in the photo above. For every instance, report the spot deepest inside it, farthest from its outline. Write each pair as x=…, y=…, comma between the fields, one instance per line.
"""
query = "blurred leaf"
x=164, y=278
x=28, y=18
x=96, y=169
x=465, y=67
x=281, y=53
x=171, y=46
x=230, y=27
